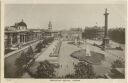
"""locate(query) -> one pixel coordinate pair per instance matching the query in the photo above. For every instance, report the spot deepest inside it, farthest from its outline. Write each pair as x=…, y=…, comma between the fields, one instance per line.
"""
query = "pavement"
x=110, y=56
x=50, y=50
x=65, y=60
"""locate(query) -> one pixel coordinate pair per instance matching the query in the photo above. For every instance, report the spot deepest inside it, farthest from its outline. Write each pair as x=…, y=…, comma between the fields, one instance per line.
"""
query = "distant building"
x=72, y=34
x=75, y=33
x=95, y=32
x=56, y=34
x=50, y=25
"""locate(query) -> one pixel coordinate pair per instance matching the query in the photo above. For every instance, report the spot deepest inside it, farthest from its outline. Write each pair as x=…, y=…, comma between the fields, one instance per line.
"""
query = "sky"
x=65, y=16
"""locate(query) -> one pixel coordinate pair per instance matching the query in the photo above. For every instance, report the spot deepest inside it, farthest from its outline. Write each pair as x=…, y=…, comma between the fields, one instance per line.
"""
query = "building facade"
x=19, y=35
x=72, y=34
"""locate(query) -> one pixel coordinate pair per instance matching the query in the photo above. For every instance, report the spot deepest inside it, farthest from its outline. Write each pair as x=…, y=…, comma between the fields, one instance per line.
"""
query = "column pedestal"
x=105, y=43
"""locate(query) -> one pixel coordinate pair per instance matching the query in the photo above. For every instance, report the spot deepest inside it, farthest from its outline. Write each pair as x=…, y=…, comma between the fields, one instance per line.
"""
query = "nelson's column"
x=106, y=39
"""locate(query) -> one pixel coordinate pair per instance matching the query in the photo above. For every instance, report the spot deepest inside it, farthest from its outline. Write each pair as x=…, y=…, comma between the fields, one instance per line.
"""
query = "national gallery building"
x=19, y=35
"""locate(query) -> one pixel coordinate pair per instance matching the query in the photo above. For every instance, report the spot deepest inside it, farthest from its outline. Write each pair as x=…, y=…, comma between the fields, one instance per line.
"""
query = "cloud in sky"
x=64, y=16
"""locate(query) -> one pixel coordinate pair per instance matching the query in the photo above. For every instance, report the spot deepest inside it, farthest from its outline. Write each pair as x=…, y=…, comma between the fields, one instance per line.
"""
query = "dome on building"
x=22, y=23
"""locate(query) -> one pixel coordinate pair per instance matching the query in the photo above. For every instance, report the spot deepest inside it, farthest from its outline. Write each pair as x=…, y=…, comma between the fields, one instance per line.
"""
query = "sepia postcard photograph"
x=64, y=41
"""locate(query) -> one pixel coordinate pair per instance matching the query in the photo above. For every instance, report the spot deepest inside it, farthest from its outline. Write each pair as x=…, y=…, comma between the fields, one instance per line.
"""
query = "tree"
x=117, y=35
x=118, y=64
x=83, y=70
x=71, y=76
x=20, y=62
x=20, y=71
x=91, y=32
x=45, y=70
x=30, y=53
x=39, y=47
x=45, y=42
x=24, y=58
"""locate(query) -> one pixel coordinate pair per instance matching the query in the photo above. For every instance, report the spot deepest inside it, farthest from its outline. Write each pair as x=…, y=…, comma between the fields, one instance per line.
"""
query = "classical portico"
x=16, y=34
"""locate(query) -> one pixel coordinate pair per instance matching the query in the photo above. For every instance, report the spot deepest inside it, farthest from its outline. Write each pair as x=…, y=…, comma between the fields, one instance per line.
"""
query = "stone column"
x=28, y=38
x=21, y=38
x=106, y=39
x=11, y=39
x=18, y=38
x=31, y=37
x=7, y=41
x=106, y=23
x=24, y=38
